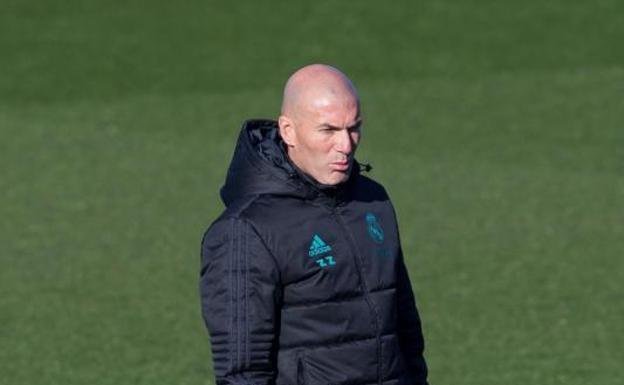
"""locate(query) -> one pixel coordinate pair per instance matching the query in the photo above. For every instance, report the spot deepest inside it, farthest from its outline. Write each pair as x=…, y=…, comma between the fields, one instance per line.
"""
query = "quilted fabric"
x=303, y=283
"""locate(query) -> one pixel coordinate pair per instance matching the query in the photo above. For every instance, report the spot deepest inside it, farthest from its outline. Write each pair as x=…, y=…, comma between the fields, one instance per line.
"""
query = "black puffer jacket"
x=306, y=284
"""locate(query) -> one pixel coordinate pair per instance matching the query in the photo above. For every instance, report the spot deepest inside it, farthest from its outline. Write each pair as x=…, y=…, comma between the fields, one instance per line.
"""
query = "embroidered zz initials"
x=326, y=261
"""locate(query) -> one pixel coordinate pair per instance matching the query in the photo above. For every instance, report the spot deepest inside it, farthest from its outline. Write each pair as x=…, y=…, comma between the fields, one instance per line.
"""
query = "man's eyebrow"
x=355, y=125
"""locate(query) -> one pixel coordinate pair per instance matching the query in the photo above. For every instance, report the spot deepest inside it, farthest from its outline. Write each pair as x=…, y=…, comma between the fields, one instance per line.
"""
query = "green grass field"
x=497, y=128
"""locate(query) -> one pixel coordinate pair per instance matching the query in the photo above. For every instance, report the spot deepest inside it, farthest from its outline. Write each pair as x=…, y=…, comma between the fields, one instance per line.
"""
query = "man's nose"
x=344, y=144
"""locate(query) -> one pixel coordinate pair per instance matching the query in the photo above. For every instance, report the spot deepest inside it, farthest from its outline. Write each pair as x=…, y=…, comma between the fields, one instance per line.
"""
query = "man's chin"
x=338, y=177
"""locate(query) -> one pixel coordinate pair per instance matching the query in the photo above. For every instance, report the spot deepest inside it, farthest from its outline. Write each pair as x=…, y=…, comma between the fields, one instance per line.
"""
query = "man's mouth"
x=340, y=166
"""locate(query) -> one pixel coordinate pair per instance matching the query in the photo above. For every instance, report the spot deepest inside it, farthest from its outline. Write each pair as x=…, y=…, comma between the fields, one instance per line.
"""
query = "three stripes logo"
x=318, y=247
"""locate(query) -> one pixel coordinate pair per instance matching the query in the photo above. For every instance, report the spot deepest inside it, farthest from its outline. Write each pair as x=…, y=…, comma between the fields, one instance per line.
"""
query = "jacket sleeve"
x=239, y=289
x=409, y=328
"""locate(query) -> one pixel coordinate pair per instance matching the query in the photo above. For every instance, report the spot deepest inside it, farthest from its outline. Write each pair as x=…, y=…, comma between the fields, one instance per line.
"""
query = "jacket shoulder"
x=235, y=210
x=247, y=210
x=366, y=188
x=222, y=224
x=232, y=226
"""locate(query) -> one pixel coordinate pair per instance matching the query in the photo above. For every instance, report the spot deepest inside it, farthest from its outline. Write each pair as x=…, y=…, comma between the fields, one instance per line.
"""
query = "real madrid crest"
x=374, y=229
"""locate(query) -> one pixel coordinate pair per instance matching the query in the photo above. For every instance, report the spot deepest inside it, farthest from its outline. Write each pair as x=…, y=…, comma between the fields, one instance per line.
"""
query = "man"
x=302, y=277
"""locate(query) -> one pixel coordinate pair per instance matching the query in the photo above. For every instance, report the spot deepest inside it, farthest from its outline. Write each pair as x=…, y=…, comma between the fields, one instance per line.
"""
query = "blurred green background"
x=496, y=126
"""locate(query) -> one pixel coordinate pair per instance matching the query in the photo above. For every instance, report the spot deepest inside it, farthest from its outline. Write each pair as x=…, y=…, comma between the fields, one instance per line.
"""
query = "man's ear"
x=287, y=130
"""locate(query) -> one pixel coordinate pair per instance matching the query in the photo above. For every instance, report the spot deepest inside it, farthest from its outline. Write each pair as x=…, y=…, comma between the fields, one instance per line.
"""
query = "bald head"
x=315, y=86
x=320, y=122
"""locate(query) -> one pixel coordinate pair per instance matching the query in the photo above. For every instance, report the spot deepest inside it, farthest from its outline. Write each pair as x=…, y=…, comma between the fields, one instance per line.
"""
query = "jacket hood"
x=260, y=166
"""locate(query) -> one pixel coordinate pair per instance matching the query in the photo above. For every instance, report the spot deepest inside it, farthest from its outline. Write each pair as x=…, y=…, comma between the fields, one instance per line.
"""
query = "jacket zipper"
x=358, y=264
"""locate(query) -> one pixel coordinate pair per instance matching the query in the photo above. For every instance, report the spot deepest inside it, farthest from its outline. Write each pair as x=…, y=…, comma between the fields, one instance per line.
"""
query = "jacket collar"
x=260, y=165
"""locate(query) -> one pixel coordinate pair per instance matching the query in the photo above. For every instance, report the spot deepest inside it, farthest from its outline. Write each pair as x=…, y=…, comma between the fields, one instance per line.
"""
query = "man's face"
x=327, y=134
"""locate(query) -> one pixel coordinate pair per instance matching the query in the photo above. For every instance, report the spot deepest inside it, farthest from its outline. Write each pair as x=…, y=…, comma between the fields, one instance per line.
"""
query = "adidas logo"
x=318, y=246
